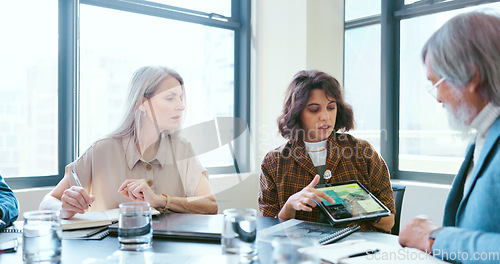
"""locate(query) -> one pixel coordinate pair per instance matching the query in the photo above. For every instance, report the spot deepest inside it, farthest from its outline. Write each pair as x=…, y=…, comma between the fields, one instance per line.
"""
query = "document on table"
x=340, y=252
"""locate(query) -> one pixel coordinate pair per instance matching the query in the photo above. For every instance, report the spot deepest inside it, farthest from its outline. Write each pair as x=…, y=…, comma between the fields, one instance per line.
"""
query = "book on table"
x=94, y=219
x=91, y=219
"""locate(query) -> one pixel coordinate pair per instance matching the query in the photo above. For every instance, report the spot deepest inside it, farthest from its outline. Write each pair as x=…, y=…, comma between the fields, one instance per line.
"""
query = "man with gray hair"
x=462, y=60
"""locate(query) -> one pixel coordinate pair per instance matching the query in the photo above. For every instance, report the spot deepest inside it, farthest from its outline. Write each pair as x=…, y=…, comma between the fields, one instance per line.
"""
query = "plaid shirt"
x=288, y=169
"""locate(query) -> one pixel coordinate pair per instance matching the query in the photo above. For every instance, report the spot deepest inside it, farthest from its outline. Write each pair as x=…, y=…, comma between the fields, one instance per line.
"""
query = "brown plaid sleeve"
x=268, y=193
x=380, y=183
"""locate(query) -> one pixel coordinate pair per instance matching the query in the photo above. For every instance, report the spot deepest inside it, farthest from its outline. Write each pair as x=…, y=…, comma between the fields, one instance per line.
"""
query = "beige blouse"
x=109, y=162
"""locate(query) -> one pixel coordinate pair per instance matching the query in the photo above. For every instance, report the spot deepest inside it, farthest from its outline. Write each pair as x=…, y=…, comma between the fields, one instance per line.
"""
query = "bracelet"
x=167, y=206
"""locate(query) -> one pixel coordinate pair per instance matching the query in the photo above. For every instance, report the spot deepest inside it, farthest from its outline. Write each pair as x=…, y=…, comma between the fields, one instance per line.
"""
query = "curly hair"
x=296, y=99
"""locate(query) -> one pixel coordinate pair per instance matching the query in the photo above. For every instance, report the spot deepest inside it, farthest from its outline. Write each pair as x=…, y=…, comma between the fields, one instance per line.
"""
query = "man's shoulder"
x=495, y=128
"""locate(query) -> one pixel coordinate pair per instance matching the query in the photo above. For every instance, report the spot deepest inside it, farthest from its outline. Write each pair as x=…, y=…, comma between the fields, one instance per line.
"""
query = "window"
x=355, y=9
x=65, y=77
x=362, y=76
x=425, y=144
x=421, y=148
x=28, y=88
x=202, y=55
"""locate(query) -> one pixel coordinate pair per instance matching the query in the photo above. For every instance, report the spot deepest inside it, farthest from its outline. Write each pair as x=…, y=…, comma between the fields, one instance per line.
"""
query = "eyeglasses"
x=432, y=88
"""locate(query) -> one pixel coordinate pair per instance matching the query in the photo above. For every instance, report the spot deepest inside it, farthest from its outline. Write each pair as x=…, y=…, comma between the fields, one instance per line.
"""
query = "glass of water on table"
x=135, y=229
x=239, y=234
x=42, y=237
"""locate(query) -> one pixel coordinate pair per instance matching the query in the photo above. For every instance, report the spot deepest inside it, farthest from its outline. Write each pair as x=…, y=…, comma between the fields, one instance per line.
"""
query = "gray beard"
x=458, y=119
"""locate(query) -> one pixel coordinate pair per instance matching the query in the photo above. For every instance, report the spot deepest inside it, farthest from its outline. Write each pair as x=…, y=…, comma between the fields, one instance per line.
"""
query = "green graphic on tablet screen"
x=353, y=197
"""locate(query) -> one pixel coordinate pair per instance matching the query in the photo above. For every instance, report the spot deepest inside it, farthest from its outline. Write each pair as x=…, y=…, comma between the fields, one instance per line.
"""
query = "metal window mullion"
x=68, y=82
x=408, y=11
x=130, y=6
x=439, y=178
x=241, y=10
x=362, y=22
x=390, y=38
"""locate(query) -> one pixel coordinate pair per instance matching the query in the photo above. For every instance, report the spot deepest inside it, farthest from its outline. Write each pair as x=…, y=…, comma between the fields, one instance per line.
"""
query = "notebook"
x=90, y=219
x=185, y=226
x=10, y=233
x=327, y=239
x=94, y=219
x=93, y=233
x=298, y=229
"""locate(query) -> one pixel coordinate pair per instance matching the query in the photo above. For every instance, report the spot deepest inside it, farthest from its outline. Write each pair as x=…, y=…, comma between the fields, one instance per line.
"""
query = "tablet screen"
x=351, y=200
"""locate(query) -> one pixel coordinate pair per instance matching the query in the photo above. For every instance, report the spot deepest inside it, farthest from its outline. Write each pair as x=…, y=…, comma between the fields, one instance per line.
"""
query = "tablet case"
x=363, y=217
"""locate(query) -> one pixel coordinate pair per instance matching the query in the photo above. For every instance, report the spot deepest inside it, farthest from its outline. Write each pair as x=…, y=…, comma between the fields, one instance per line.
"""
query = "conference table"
x=180, y=251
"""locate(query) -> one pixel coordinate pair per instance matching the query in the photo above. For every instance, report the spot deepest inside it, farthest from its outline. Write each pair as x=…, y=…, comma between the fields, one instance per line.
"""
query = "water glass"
x=239, y=234
x=42, y=237
x=288, y=251
x=135, y=229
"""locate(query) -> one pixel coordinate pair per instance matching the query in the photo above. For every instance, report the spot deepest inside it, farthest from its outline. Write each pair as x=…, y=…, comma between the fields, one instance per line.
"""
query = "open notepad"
x=94, y=219
x=91, y=219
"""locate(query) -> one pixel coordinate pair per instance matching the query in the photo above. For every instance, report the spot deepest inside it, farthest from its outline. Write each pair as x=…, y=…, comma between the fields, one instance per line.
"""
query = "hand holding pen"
x=75, y=199
x=77, y=181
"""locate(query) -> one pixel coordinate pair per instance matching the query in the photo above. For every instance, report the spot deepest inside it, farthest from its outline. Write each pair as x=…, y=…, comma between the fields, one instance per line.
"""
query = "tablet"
x=353, y=202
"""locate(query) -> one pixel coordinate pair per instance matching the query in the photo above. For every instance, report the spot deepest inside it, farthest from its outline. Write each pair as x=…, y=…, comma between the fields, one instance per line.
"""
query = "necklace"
x=316, y=150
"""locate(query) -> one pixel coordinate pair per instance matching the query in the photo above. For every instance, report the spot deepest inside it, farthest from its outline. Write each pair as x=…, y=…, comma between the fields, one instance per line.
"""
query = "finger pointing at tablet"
x=303, y=200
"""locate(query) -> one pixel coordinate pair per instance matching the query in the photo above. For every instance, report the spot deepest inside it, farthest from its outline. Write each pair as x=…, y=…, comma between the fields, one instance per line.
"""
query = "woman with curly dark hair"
x=314, y=120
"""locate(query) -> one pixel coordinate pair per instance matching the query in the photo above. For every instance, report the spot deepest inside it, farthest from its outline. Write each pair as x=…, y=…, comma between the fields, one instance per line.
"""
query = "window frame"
x=68, y=75
x=392, y=12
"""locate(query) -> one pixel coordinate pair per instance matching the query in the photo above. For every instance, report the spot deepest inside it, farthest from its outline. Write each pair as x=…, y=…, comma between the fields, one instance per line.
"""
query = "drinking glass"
x=239, y=234
x=42, y=237
x=135, y=229
x=287, y=251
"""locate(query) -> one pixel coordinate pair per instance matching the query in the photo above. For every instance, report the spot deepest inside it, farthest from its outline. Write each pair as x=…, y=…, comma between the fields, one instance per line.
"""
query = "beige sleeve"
x=191, y=171
x=83, y=168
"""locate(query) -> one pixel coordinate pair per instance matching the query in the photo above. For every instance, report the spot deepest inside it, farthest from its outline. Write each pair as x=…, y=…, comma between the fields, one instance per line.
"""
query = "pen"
x=364, y=253
x=77, y=180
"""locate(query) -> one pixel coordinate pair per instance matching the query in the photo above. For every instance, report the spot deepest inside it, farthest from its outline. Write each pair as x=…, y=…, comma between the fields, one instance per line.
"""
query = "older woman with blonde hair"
x=142, y=159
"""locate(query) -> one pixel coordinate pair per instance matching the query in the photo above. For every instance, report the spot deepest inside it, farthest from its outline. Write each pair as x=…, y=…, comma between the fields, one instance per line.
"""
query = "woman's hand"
x=304, y=200
x=75, y=200
x=139, y=190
